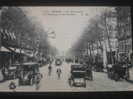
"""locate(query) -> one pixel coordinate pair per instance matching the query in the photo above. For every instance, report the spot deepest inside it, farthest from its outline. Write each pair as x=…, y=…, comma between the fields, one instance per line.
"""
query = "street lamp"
x=51, y=33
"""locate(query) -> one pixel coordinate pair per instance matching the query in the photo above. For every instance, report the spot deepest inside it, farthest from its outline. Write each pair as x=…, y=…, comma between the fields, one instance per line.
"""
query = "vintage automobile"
x=29, y=73
x=77, y=77
x=11, y=72
x=118, y=71
x=69, y=60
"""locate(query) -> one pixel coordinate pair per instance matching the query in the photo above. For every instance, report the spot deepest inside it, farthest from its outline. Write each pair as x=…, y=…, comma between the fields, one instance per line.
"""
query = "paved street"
x=52, y=83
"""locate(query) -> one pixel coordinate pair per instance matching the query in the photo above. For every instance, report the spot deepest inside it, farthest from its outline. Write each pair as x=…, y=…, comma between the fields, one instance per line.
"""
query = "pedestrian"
x=12, y=86
x=59, y=72
x=49, y=69
x=38, y=78
x=1, y=74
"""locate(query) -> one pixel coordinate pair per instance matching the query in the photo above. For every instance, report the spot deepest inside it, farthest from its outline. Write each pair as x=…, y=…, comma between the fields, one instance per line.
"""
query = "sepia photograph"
x=66, y=49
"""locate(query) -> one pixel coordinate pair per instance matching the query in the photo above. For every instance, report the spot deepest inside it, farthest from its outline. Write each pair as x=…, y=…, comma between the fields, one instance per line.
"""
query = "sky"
x=68, y=23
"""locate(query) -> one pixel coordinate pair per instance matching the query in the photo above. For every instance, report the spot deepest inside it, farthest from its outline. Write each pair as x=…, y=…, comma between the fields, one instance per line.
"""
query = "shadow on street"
x=130, y=81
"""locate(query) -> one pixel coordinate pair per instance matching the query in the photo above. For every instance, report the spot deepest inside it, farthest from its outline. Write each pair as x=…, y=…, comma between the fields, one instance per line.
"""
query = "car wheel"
x=19, y=82
x=73, y=84
x=84, y=85
x=127, y=76
x=91, y=78
x=116, y=77
x=109, y=74
x=31, y=81
x=87, y=78
x=69, y=82
x=41, y=75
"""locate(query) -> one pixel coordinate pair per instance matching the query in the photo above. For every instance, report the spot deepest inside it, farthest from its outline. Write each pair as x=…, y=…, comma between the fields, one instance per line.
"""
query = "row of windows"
x=125, y=45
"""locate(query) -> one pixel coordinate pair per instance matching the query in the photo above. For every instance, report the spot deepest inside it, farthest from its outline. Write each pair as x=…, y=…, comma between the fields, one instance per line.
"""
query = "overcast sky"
x=68, y=28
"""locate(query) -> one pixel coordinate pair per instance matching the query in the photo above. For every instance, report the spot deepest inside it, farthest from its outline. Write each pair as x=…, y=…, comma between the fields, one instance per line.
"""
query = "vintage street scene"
x=65, y=49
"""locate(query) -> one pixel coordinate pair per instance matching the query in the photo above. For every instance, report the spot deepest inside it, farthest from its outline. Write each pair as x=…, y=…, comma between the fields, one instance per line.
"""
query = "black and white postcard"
x=65, y=49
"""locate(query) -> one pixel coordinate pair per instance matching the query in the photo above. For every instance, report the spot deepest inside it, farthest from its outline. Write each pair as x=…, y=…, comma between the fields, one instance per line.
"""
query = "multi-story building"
x=110, y=42
x=124, y=31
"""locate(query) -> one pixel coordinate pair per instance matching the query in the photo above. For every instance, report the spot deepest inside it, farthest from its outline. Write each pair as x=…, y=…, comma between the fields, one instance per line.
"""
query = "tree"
x=96, y=32
x=29, y=34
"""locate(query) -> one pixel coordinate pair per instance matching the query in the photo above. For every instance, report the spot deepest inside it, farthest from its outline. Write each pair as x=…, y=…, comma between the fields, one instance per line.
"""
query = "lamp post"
x=51, y=35
x=48, y=35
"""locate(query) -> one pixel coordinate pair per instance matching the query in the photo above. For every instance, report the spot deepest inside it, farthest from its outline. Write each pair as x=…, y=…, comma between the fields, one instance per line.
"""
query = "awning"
x=3, y=49
x=16, y=50
x=19, y=51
